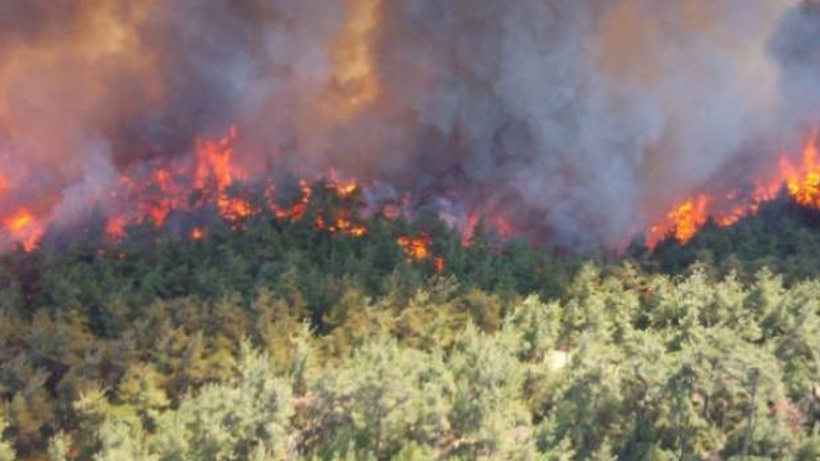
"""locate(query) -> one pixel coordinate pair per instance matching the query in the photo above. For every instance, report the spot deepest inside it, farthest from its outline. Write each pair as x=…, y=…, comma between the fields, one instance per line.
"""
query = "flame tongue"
x=24, y=228
x=212, y=178
x=802, y=184
x=419, y=248
x=689, y=217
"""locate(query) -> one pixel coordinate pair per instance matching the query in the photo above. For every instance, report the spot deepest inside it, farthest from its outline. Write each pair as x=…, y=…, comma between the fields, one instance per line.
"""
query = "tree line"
x=283, y=342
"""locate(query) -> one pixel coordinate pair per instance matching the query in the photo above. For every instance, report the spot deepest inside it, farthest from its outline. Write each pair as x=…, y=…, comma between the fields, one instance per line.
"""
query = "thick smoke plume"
x=581, y=120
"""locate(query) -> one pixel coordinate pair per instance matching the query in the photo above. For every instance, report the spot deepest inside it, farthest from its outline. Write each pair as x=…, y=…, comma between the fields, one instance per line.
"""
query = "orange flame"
x=418, y=249
x=689, y=217
x=297, y=211
x=341, y=222
x=358, y=231
x=208, y=180
x=24, y=228
x=802, y=184
x=492, y=219
x=115, y=227
x=214, y=162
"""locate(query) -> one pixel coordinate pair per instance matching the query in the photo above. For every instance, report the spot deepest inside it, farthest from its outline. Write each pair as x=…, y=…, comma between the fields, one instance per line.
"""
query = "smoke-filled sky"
x=583, y=120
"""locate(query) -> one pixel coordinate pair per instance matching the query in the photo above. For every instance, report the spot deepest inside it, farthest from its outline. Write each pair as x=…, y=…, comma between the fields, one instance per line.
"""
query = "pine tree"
x=59, y=447
x=385, y=398
x=232, y=420
x=488, y=414
x=6, y=448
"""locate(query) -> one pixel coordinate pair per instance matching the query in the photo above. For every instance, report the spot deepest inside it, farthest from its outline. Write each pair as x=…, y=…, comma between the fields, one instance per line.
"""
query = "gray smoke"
x=584, y=120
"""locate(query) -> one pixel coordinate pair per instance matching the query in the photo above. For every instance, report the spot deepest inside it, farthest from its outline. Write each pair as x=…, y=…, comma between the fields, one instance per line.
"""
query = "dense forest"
x=274, y=339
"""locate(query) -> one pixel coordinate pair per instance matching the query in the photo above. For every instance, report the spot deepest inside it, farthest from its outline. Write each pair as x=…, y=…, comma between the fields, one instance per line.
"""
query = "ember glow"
x=197, y=234
x=419, y=248
x=297, y=211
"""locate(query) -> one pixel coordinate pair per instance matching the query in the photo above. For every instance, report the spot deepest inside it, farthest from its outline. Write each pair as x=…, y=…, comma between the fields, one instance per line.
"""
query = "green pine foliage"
x=281, y=342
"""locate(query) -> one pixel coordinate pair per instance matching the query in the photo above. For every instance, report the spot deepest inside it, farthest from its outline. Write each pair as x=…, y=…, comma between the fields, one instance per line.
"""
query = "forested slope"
x=278, y=341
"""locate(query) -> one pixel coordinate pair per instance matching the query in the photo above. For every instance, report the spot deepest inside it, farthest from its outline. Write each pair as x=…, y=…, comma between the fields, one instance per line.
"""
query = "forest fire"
x=297, y=211
x=145, y=102
x=214, y=179
x=685, y=219
x=363, y=87
x=23, y=227
x=491, y=219
x=801, y=182
x=215, y=176
x=419, y=249
x=409, y=229
x=197, y=234
x=416, y=248
x=340, y=226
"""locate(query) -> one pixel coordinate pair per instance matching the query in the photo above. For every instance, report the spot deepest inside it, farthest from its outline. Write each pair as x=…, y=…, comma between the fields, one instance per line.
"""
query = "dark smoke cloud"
x=583, y=120
x=795, y=46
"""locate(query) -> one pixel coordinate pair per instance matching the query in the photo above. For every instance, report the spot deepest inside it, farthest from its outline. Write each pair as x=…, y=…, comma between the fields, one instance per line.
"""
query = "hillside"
x=281, y=340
